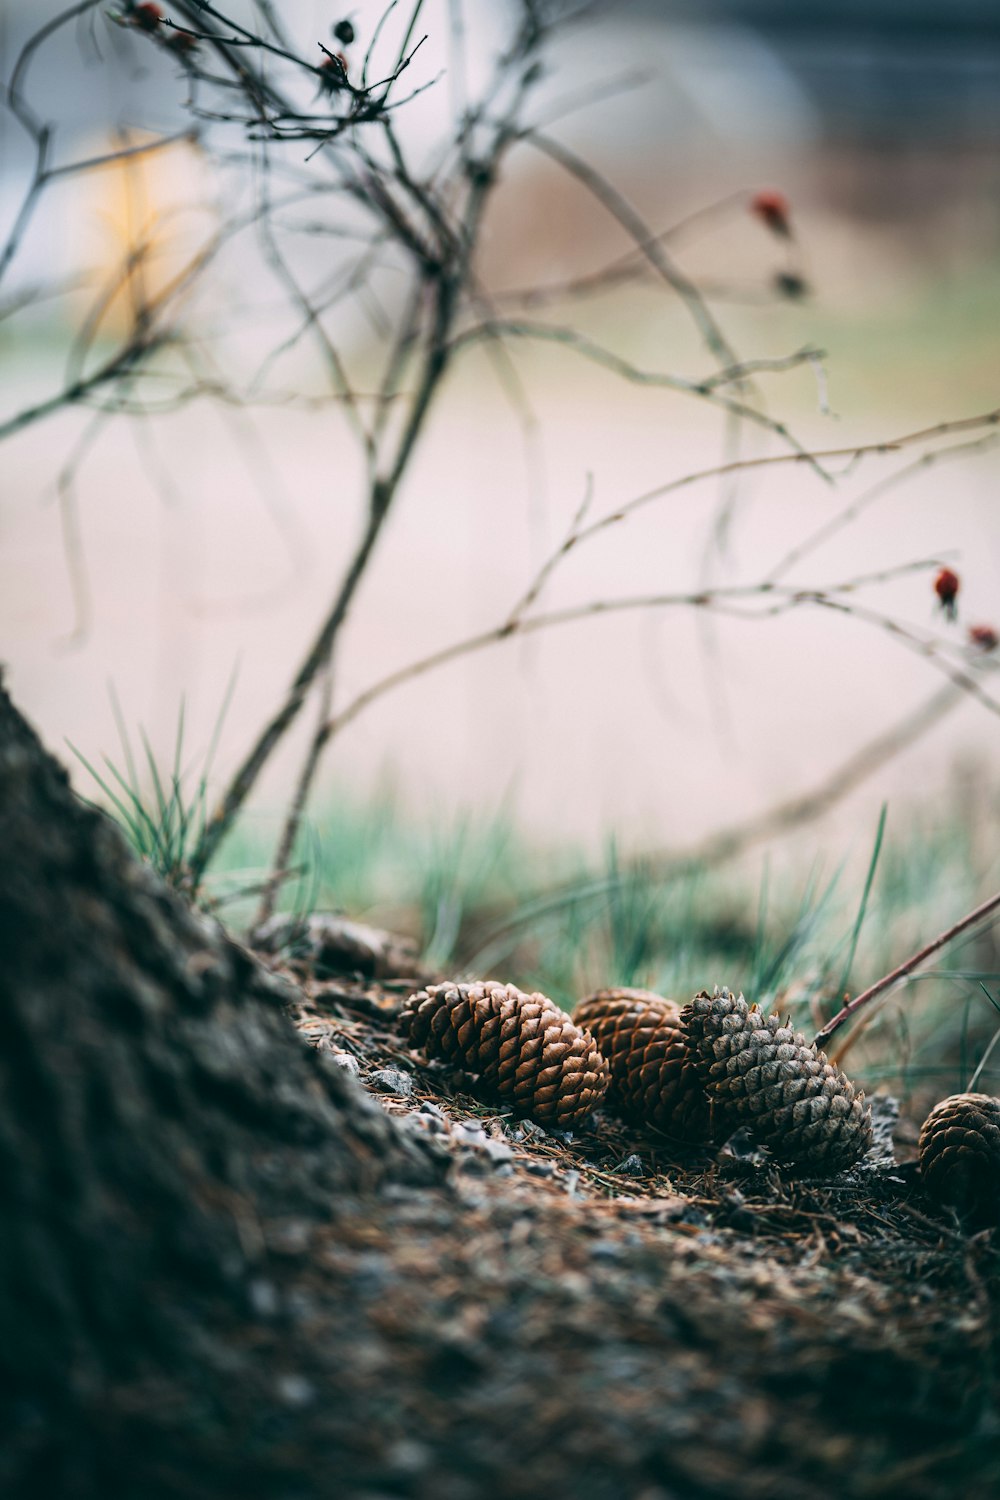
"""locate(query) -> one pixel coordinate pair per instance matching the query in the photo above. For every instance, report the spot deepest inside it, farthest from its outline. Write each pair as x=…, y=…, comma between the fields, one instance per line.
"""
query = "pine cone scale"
x=959, y=1156
x=525, y=1051
x=760, y=1073
x=653, y=1080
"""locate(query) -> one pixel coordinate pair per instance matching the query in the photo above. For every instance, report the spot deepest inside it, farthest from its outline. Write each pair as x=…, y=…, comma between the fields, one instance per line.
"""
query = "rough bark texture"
x=224, y=1270
x=161, y=1127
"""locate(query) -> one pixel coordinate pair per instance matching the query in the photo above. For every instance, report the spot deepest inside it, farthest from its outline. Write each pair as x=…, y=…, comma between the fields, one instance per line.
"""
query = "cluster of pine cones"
x=696, y=1073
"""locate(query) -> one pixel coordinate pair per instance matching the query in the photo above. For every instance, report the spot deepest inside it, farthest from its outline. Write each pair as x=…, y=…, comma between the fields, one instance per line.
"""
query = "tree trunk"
x=163, y=1133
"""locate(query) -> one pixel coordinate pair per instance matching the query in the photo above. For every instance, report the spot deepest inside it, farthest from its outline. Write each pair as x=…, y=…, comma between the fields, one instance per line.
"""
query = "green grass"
x=482, y=900
x=162, y=808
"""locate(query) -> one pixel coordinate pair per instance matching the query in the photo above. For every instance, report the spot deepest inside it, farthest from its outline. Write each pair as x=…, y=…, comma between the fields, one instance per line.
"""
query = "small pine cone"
x=766, y=1076
x=653, y=1080
x=960, y=1156
x=526, y=1050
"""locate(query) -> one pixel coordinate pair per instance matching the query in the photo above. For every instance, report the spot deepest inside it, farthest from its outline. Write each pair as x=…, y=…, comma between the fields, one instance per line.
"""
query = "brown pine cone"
x=959, y=1153
x=766, y=1076
x=653, y=1080
x=525, y=1049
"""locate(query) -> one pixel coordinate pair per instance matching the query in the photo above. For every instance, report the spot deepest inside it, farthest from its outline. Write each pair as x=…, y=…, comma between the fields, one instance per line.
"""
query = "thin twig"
x=971, y=919
x=707, y=390
x=645, y=241
x=442, y=274
x=749, y=601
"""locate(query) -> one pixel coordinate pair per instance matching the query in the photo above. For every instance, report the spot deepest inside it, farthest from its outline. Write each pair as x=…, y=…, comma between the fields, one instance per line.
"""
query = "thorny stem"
x=971, y=919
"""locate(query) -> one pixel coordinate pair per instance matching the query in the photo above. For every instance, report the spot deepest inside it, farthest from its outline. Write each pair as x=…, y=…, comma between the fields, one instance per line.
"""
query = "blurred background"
x=154, y=560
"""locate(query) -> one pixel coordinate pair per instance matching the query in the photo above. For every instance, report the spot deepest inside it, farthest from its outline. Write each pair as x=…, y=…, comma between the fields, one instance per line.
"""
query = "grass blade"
x=862, y=909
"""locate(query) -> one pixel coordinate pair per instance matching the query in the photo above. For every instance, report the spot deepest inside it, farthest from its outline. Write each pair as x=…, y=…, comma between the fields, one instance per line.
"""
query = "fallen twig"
x=906, y=968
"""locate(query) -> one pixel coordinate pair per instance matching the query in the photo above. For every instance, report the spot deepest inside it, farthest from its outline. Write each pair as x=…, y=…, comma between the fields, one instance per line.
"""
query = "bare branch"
x=868, y=498
x=707, y=390
x=646, y=242
x=442, y=278
x=853, y=454
x=750, y=601
x=903, y=970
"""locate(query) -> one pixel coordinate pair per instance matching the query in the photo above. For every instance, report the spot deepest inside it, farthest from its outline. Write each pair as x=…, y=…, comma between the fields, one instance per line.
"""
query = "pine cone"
x=525, y=1050
x=653, y=1080
x=960, y=1156
x=766, y=1076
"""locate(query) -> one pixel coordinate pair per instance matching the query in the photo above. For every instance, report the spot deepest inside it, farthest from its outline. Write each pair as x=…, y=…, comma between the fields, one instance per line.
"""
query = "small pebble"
x=263, y=1298
x=392, y=1081
x=408, y=1457
x=345, y=1060
x=295, y=1390
x=290, y=1238
x=497, y=1151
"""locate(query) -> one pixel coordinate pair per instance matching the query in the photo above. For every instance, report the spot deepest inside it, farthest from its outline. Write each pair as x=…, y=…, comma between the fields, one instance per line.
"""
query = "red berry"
x=772, y=208
x=334, y=71
x=984, y=637
x=946, y=586
x=182, y=42
x=146, y=16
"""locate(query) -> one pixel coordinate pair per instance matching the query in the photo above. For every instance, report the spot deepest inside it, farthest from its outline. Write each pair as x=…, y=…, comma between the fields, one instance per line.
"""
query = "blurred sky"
x=211, y=540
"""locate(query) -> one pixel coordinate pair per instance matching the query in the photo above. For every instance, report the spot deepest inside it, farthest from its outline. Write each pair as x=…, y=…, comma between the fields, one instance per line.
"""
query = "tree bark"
x=161, y=1128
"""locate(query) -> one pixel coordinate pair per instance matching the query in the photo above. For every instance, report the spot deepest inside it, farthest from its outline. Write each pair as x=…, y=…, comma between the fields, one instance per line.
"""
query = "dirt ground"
x=590, y=1314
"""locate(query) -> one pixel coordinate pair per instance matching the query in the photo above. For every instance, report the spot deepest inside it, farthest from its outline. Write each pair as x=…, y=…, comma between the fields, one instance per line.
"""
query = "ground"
x=589, y=1314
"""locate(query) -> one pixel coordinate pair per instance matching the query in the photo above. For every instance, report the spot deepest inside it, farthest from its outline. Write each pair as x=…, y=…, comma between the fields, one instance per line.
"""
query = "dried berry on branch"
x=653, y=1079
x=184, y=43
x=959, y=1154
x=983, y=637
x=333, y=71
x=526, y=1051
x=946, y=586
x=774, y=211
x=146, y=17
x=760, y=1073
